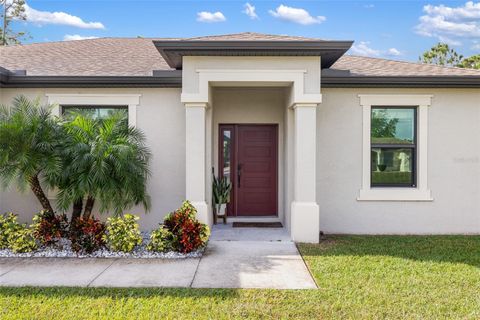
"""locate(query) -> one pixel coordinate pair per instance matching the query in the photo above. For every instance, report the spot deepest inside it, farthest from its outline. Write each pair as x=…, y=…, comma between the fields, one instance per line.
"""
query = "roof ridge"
x=411, y=62
x=249, y=33
x=17, y=45
x=84, y=40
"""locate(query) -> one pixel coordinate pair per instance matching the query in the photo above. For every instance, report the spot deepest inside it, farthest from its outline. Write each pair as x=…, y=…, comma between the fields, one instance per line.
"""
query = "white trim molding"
x=295, y=78
x=130, y=100
x=419, y=193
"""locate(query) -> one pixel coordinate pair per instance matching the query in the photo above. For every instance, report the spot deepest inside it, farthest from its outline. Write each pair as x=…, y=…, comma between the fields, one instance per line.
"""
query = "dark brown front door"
x=248, y=156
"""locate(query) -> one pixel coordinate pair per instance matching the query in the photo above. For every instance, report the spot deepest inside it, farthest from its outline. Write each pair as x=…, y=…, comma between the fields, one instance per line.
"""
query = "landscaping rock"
x=63, y=250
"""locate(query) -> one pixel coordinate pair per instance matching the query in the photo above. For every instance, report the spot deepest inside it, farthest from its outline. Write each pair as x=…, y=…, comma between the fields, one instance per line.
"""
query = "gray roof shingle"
x=139, y=57
x=366, y=66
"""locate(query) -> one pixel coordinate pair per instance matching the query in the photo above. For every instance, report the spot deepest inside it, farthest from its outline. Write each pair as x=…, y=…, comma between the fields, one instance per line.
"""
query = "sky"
x=399, y=30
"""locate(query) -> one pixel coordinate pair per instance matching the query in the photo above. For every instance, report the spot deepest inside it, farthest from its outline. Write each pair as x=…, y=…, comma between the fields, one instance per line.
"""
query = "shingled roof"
x=367, y=66
x=93, y=57
x=139, y=57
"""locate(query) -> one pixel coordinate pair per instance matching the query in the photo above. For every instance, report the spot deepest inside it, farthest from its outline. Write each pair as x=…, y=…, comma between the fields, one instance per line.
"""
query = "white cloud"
x=393, y=52
x=363, y=48
x=250, y=11
x=476, y=45
x=60, y=18
x=470, y=11
x=297, y=15
x=206, y=16
x=369, y=6
x=70, y=37
x=450, y=24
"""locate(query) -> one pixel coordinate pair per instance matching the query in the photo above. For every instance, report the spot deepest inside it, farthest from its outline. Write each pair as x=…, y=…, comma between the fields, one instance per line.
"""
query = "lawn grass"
x=359, y=277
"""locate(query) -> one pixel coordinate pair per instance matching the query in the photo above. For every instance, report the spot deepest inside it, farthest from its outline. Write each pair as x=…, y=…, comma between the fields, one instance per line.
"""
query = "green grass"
x=391, y=177
x=359, y=277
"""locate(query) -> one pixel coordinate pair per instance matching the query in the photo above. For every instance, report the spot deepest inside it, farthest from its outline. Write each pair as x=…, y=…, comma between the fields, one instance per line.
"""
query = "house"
x=309, y=136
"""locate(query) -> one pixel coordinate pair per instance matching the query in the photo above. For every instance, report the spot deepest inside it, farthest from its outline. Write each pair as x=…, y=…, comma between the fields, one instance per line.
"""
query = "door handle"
x=239, y=174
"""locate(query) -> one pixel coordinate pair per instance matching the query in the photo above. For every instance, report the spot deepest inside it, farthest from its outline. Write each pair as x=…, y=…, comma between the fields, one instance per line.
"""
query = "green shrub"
x=123, y=233
x=161, y=240
x=49, y=228
x=22, y=240
x=8, y=226
x=188, y=233
x=87, y=235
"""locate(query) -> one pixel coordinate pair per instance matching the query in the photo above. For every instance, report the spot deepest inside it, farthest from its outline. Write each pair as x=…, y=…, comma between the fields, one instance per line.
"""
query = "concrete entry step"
x=252, y=264
x=225, y=232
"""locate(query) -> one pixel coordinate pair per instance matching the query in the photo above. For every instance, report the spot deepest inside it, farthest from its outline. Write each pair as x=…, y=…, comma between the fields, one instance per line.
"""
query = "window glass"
x=392, y=166
x=393, y=145
x=94, y=112
x=393, y=125
x=227, y=151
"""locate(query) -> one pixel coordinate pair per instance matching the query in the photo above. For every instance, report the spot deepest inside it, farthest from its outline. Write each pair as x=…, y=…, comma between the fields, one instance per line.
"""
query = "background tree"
x=104, y=160
x=29, y=142
x=441, y=54
x=382, y=126
x=472, y=62
x=11, y=10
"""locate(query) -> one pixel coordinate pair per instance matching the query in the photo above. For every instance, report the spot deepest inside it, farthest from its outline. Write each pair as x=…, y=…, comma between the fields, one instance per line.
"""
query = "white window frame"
x=82, y=99
x=419, y=193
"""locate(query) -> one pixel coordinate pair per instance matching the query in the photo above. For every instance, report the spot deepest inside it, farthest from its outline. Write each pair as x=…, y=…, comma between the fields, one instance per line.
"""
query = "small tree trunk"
x=38, y=192
x=87, y=212
x=77, y=209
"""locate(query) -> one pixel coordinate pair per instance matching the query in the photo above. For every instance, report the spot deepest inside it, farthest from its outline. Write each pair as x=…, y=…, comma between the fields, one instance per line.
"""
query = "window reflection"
x=94, y=112
x=227, y=151
x=392, y=166
x=393, y=125
x=393, y=144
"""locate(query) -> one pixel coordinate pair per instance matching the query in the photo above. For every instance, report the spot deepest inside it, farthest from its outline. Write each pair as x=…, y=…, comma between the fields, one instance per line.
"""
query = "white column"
x=305, y=216
x=196, y=159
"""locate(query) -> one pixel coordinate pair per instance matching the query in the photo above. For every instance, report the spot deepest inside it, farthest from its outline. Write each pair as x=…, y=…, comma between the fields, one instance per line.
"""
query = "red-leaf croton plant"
x=188, y=234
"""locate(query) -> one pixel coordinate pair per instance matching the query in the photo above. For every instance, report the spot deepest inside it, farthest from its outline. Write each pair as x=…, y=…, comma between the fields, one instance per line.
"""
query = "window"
x=96, y=112
x=226, y=159
x=393, y=146
x=129, y=102
x=227, y=153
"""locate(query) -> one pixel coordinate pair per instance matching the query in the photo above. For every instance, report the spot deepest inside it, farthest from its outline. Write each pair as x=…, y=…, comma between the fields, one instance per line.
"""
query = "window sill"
x=395, y=194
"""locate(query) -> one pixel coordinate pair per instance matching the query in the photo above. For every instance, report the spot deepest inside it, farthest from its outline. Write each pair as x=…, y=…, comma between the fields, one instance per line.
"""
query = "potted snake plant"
x=221, y=188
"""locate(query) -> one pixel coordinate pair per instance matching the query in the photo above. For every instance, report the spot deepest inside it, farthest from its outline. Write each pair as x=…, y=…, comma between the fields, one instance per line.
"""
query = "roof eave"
x=173, y=79
x=173, y=51
x=161, y=79
x=401, y=81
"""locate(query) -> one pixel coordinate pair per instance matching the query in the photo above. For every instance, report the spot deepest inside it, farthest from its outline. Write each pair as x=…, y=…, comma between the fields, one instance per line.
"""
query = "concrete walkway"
x=235, y=258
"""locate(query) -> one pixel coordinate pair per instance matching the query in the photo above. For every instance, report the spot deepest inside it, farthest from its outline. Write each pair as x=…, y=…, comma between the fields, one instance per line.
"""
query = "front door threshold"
x=254, y=219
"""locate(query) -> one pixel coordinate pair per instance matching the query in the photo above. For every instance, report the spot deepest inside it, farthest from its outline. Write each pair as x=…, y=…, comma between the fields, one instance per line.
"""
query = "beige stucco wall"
x=453, y=167
x=453, y=161
x=248, y=106
x=161, y=116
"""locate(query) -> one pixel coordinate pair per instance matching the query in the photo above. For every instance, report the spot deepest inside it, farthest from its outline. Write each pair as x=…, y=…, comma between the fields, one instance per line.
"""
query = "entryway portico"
x=265, y=65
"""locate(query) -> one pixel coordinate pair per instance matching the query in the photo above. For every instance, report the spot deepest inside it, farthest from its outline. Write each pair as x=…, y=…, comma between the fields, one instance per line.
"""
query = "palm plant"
x=104, y=160
x=28, y=143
